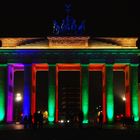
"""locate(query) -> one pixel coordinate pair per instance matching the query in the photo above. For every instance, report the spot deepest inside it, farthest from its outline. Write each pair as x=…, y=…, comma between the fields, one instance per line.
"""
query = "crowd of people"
x=37, y=120
x=34, y=121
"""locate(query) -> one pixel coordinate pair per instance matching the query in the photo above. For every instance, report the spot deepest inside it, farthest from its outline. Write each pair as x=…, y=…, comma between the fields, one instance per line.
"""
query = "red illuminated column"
x=33, y=97
x=127, y=91
x=104, y=92
x=56, y=114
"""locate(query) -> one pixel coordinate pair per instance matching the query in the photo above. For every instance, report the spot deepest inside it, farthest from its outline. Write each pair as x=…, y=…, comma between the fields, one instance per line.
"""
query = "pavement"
x=67, y=132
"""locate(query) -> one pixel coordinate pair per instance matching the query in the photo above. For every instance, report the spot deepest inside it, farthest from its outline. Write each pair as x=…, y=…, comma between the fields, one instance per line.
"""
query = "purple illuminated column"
x=3, y=73
x=27, y=89
x=10, y=94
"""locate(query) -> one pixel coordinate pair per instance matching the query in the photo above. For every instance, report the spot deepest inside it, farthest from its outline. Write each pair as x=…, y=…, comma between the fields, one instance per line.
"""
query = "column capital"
x=84, y=65
x=109, y=64
x=134, y=65
x=26, y=64
x=3, y=65
x=52, y=64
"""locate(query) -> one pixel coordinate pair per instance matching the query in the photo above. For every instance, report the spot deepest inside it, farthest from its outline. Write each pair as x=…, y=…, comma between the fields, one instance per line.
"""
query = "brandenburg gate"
x=70, y=53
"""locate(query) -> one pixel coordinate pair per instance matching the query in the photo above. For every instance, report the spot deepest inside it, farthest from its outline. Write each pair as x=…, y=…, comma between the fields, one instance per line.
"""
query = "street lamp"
x=18, y=99
x=124, y=99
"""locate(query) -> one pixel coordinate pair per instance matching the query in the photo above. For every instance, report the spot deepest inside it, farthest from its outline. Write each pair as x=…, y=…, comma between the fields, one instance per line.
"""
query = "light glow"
x=123, y=98
x=51, y=93
x=84, y=78
x=134, y=90
x=109, y=93
x=2, y=91
x=35, y=68
x=10, y=95
x=27, y=89
x=18, y=97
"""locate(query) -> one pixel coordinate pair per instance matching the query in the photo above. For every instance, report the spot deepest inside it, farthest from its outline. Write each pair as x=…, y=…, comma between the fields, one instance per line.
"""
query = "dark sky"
x=103, y=17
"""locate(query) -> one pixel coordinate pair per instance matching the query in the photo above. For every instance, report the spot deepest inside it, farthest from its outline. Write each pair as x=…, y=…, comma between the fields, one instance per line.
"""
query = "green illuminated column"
x=84, y=90
x=109, y=93
x=2, y=91
x=134, y=91
x=51, y=92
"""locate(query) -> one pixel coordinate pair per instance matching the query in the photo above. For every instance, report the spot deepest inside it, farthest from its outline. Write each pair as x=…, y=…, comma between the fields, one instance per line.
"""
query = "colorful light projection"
x=10, y=97
x=27, y=89
x=52, y=92
x=127, y=91
x=108, y=99
x=109, y=93
x=134, y=91
x=35, y=68
x=2, y=90
x=85, y=100
x=126, y=69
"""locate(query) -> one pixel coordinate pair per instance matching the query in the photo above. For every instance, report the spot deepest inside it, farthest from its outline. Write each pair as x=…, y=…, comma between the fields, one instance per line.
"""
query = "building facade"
x=55, y=54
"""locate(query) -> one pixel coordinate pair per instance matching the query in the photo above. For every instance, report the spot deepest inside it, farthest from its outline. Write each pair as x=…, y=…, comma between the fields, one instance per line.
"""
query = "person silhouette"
x=36, y=118
x=80, y=118
x=30, y=122
x=25, y=121
x=40, y=115
x=101, y=119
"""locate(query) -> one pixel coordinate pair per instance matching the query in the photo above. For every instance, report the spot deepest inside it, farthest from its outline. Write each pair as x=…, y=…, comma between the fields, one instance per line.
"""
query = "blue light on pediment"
x=69, y=25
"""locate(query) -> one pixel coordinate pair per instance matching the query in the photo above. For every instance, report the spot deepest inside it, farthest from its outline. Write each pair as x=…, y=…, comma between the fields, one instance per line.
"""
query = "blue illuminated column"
x=2, y=90
x=134, y=91
x=27, y=89
x=109, y=93
x=85, y=91
x=51, y=92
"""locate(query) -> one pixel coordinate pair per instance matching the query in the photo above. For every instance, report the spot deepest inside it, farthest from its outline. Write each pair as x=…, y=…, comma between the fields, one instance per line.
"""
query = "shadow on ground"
x=68, y=134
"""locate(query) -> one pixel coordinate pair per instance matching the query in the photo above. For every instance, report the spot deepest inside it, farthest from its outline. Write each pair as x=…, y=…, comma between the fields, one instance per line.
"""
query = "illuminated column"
x=109, y=93
x=139, y=97
x=56, y=111
x=51, y=92
x=84, y=90
x=27, y=89
x=33, y=98
x=2, y=90
x=127, y=91
x=134, y=91
x=10, y=95
x=104, y=92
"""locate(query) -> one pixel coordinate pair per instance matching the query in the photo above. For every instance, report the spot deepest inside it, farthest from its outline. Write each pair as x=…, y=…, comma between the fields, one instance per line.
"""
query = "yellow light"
x=123, y=98
x=18, y=97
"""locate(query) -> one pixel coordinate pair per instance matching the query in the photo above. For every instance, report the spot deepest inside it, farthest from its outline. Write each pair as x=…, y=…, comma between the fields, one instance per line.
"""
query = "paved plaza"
x=55, y=132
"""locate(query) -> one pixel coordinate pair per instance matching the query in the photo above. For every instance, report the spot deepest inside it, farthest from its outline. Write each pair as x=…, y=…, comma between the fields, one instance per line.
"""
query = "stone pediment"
x=68, y=41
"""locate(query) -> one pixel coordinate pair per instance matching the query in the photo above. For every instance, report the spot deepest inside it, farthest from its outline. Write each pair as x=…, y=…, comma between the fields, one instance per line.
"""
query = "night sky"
x=103, y=17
